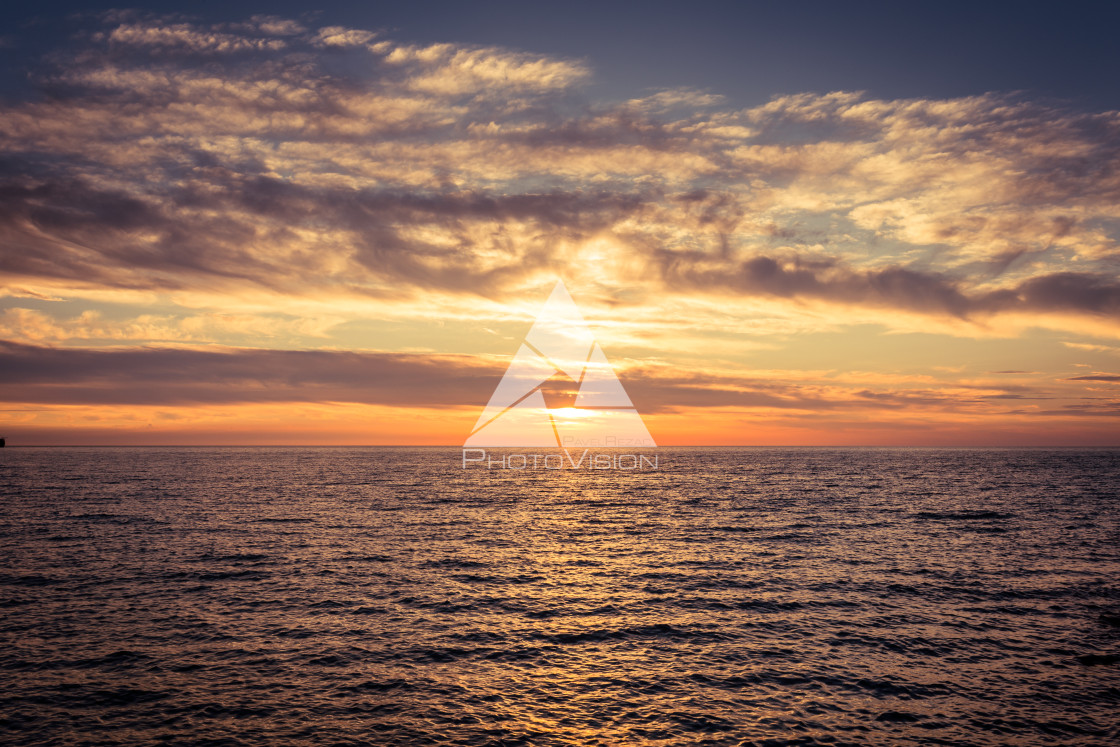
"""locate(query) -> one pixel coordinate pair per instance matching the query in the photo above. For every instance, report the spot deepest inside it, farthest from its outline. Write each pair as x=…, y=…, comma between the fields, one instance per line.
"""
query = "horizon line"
x=454, y=446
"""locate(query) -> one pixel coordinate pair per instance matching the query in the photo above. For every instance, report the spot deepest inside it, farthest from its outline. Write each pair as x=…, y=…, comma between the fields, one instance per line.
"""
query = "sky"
x=806, y=224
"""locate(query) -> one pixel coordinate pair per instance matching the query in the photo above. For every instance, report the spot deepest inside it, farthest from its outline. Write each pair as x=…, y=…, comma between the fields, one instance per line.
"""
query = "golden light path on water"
x=393, y=597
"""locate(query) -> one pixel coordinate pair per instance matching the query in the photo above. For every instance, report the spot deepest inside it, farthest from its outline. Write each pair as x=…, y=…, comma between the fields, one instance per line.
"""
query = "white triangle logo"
x=560, y=390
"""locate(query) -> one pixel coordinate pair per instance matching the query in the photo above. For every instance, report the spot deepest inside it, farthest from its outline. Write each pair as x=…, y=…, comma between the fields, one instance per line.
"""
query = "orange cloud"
x=265, y=184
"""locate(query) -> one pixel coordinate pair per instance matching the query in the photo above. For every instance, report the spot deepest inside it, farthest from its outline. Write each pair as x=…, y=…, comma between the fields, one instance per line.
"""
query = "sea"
x=390, y=596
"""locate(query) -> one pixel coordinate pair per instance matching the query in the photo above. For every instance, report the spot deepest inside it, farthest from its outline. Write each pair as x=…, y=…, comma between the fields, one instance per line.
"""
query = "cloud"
x=182, y=36
x=1081, y=410
x=922, y=291
x=1072, y=291
x=1096, y=377
x=179, y=376
x=226, y=376
x=1092, y=347
x=452, y=70
x=337, y=36
x=333, y=162
x=35, y=326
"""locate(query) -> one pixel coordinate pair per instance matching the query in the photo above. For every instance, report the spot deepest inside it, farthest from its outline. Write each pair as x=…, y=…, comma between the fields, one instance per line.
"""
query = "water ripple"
x=386, y=596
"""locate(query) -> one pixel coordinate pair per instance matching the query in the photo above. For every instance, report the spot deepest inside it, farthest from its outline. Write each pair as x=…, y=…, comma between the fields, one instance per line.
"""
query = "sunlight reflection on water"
x=388, y=596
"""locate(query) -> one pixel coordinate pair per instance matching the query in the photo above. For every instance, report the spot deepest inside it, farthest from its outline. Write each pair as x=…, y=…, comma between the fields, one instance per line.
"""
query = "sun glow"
x=572, y=413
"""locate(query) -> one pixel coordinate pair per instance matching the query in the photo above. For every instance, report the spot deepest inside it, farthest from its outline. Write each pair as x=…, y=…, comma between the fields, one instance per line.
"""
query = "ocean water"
x=390, y=597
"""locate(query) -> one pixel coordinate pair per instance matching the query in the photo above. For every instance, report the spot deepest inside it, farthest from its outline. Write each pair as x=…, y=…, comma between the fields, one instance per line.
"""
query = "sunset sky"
x=825, y=224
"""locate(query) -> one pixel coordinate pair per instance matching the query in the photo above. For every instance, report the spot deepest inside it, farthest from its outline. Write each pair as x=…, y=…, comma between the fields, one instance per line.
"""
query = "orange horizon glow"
x=360, y=425
x=245, y=267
